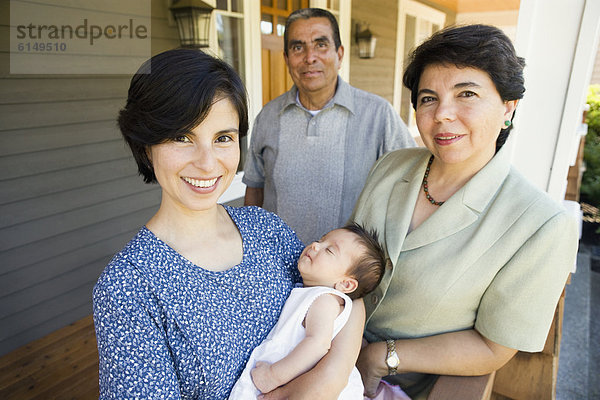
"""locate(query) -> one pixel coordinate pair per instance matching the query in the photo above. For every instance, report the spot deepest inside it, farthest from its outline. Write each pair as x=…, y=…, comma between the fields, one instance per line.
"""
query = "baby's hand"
x=263, y=378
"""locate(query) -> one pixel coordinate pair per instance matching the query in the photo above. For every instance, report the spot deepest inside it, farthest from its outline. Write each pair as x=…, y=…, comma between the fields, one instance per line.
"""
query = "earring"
x=507, y=123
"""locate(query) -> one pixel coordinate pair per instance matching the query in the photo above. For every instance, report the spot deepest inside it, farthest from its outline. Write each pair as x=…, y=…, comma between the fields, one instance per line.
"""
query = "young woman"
x=180, y=308
x=480, y=256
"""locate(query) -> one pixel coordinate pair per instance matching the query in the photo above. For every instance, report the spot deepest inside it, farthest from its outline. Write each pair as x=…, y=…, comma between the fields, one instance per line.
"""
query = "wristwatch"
x=391, y=359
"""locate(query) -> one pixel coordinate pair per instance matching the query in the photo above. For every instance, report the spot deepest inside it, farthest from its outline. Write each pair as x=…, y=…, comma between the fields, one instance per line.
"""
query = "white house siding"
x=505, y=20
x=376, y=74
x=70, y=196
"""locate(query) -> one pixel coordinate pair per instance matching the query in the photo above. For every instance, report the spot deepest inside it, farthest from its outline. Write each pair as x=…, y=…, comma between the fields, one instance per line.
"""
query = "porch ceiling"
x=465, y=6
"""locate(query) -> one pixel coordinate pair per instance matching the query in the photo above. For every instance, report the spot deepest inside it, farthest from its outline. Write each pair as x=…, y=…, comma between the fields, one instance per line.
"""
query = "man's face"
x=311, y=58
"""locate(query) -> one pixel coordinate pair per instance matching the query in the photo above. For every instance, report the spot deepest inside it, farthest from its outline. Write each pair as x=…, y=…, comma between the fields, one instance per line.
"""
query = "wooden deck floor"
x=62, y=365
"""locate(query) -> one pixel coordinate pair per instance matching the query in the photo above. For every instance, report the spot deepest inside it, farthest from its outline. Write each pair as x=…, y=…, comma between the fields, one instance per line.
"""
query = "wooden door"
x=275, y=77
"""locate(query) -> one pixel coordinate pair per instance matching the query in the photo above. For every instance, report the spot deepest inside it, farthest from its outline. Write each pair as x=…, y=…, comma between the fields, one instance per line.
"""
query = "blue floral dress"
x=169, y=329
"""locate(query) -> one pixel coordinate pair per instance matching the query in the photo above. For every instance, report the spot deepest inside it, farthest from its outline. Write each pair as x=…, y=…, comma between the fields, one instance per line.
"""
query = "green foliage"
x=590, y=184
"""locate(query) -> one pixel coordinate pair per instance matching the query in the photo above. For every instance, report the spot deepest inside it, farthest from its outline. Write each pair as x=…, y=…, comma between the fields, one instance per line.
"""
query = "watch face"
x=392, y=361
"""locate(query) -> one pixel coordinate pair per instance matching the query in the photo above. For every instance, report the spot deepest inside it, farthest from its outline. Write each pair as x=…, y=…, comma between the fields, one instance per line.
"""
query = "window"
x=229, y=46
x=229, y=21
x=416, y=22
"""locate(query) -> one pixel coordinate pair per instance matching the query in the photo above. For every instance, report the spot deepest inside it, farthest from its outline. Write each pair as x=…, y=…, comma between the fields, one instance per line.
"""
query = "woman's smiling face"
x=460, y=114
x=194, y=170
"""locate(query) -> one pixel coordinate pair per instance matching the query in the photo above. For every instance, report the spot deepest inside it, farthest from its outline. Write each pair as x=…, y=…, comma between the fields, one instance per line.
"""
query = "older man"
x=312, y=147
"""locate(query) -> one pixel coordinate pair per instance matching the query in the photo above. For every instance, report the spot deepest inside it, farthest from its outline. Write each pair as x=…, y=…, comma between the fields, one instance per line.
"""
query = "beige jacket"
x=495, y=256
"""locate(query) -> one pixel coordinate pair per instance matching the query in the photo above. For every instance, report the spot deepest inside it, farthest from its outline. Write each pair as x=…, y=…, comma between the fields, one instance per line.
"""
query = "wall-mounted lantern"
x=366, y=43
x=193, y=21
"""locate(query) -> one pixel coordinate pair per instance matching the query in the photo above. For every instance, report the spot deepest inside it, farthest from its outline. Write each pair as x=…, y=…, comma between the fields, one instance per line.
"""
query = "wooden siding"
x=375, y=75
x=70, y=196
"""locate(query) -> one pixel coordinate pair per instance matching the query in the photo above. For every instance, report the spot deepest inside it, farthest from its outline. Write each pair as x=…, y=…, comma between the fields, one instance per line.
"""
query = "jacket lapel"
x=464, y=207
x=403, y=197
x=450, y=218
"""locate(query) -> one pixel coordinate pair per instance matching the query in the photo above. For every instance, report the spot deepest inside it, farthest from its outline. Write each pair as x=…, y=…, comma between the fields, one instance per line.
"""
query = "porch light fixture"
x=366, y=43
x=193, y=22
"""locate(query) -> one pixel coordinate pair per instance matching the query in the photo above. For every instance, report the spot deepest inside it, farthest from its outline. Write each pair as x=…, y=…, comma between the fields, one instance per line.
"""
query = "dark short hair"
x=484, y=47
x=369, y=268
x=171, y=94
x=306, y=13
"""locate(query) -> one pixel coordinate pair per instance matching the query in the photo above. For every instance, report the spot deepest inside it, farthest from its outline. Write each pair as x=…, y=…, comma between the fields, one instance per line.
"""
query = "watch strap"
x=391, y=353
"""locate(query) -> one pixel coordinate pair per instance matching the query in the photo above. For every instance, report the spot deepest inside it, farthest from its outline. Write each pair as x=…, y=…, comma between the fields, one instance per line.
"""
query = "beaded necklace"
x=426, y=188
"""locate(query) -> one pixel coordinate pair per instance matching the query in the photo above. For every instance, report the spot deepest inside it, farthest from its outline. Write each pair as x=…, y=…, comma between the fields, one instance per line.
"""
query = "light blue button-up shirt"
x=312, y=169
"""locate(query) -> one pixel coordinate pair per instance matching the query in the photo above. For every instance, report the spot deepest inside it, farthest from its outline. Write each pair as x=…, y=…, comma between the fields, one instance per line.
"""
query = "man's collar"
x=343, y=96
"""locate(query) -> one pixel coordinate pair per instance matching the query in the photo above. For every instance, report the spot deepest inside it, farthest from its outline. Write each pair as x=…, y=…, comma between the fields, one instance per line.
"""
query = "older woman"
x=480, y=256
x=179, y=310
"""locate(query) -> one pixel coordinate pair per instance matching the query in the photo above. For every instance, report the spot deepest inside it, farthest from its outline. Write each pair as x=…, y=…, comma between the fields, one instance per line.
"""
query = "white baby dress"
x=287, y=333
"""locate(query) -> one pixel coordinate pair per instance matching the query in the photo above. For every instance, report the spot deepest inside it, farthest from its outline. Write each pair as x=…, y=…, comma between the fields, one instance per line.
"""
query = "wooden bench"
x=527, y=376
x=61, y=365
x=532, y=376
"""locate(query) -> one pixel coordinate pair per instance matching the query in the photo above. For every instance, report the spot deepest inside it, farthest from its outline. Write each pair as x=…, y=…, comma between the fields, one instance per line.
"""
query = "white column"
x=558, y=39
x=253, y=57
x=345, y=18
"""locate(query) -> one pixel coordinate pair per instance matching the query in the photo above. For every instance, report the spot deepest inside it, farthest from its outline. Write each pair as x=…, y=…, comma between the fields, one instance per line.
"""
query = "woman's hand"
x=371, y=365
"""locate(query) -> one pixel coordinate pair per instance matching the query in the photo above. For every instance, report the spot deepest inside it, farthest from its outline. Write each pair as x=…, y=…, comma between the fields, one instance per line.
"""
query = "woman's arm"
x=465, y=353
x=329, y=377
x=135, y=361
x=254, y=196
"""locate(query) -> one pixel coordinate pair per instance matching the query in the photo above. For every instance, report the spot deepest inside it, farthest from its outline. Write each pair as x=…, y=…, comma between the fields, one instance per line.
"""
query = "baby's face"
x=327, y=261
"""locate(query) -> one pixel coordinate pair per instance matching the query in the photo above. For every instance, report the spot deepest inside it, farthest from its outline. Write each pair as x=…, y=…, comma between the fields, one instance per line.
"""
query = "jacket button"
x=374, y=299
